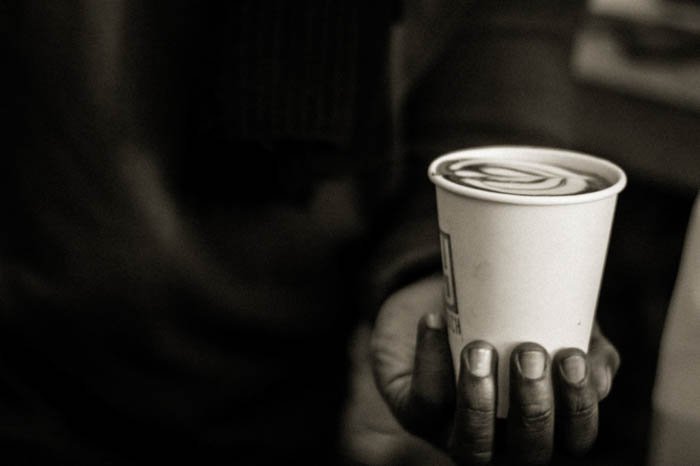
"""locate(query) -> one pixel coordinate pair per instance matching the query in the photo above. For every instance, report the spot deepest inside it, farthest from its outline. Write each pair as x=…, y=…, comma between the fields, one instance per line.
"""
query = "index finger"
x=475, y=415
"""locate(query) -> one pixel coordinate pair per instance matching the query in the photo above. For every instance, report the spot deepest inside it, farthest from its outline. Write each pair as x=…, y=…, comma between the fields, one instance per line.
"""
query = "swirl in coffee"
x=519, y=177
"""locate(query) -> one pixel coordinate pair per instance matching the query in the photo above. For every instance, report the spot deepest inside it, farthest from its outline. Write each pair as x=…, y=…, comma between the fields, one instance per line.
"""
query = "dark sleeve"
x=498, y=74
x=112, y=293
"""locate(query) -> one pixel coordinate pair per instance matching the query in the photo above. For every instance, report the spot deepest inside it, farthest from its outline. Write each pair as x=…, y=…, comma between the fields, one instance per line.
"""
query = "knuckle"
x=477, y=411
x=535, y=416
x=583, y=411
x=579, y=403
x=477, y=422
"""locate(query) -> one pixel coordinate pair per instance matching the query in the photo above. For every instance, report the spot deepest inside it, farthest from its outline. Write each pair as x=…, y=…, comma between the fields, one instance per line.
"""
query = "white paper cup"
x=522, y=268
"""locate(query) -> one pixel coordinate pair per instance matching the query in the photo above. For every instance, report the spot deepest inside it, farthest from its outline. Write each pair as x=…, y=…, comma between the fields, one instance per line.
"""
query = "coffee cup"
x=524, y=234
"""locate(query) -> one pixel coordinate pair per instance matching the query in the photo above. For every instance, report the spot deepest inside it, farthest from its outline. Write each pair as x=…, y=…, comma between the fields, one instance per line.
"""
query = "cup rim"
x=525, y=151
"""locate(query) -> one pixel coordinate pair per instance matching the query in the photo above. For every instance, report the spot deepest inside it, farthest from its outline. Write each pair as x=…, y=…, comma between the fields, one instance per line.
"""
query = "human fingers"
x=604, y=362
x=421, y=393
x=576, y=401
x=395, y=336
x=531, y=417
x=471, y=440
x=431, y=398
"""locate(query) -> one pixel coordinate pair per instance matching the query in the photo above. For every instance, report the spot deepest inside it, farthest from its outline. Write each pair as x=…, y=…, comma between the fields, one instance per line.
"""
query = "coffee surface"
x=520, y=177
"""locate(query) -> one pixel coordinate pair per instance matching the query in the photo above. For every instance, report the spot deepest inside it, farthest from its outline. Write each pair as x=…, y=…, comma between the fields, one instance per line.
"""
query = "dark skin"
x=414, y=372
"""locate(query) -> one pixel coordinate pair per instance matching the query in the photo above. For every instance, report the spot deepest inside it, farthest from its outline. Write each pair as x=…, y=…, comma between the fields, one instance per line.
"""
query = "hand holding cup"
x=414, y=372
x=524, y=234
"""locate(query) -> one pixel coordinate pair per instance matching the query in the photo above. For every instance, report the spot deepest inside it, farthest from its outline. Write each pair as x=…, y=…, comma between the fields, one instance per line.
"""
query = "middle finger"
x=531, y=417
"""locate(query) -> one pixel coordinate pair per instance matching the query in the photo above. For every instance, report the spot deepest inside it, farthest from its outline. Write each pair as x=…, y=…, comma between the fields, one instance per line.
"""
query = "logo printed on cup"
x=449, y=284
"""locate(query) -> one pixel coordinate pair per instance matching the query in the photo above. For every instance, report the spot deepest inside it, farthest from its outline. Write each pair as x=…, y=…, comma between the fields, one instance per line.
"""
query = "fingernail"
x=574, y=368
x=480, y=362
x=435, y=321
x=531, y=364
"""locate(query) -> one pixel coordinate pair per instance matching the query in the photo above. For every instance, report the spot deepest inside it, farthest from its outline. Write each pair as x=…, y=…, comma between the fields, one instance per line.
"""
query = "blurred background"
x=615, y=78
x=619, y=79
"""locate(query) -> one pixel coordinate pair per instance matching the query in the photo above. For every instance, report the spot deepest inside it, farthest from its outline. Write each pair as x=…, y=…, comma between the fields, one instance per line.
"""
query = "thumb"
x=429, y=407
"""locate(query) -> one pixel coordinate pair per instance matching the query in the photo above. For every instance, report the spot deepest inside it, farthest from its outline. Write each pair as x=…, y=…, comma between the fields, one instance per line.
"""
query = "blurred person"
x=204, y=202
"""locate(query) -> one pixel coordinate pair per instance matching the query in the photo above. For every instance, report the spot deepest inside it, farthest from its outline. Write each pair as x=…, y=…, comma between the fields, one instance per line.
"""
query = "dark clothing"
x=195, y=192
